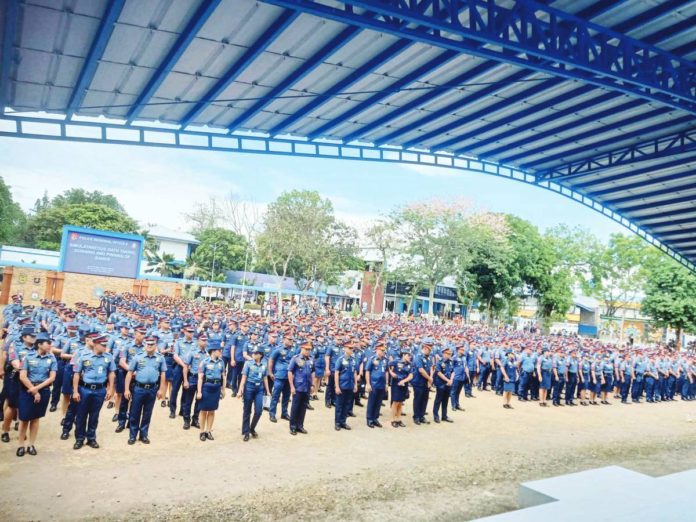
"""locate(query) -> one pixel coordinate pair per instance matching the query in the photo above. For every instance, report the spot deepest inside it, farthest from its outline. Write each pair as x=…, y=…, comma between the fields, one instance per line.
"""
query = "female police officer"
x=211, y=372
x=38, y=372
x=401, y=372
x=254, y=375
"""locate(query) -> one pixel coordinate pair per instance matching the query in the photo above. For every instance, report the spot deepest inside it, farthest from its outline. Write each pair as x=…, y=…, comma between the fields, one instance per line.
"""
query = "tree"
x=670, y=297
x=164, y=264
x=12, y=218
x=384, y=242
x=219, y=250
x=78, y=196
x=577, y=250
x=45, y=230
x=302, y=238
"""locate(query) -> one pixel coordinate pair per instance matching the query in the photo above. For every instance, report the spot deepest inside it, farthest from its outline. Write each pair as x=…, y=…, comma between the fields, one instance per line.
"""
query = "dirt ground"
x=459, y=471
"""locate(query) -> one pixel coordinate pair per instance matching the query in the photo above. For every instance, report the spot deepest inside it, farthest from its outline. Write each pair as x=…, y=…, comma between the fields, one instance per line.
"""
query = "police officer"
x=299, y=372
x=459, y=376
x=93, y=382
x=182, y=348
x=252, y=386
x=278, y=372
x=345, y=372
x=192, y=362
x=148, y=370
x=560, y=374
x=376, y=384
x=510, y=371
x=422, y=381
x=115, y=346
x=401, y=373
x=443, y=371
x=128, y=354
x=38, y=371
x=211, y=373
x=17, y=350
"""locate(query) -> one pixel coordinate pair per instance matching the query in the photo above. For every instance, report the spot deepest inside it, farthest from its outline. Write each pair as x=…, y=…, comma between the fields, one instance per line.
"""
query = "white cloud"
x=432, y=171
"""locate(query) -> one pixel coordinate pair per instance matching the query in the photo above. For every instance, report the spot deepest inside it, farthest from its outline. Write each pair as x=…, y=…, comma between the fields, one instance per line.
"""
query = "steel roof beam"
x=649, y=16
x=411, y=77
x=619, y=138
x=652, y=194
x=663, y=215
x=660, y=204
x=303, y=70
x=583, y=135
x=530, y=35
x=679, y=232
x=673, y=144
x=640, y=184
x=671, y=31
x=359, y=73
x=274, y=31
x=450, y=108
x=599, y=8
x=96, y=51
x=592, y=118
x=199, y=18
x=686, y=242
x=672, y=223
x=8, y=38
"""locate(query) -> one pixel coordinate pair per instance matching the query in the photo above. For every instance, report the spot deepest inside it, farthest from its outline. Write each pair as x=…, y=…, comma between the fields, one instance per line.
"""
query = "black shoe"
x=328, y=405
x=93, y=444
x=370, y=425
x=110, y=405
x=31, y=450
x=114, y=418
x=359, y=404
x=195, y=424
x=447, y=419
x=401, y=424
x=294, y=432
x=272, y=418
x=246, y=438
x=172, y=415
x=78, y=444
x=62, y=421
x=285, y=417
x=437, y=421
x=310, y=407
x=302, y=431
x=6, y=437
x=187, y=425
x=20, y=452
x=63, y=436
x=163, y=404
x=144, y=440
x=254, y=435
x=53, y=408
x=203, y=437
x=416, y=422
x=209, y=435
x=131, y=442
x=424, y=421
x=377, y=424
x=16, y=425
x=120, y=428
x=351, y=414
x=337, y=427
x=346, y=427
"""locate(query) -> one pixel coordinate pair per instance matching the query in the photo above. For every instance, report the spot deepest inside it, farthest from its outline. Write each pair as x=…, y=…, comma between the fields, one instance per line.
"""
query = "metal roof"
x=593, y=96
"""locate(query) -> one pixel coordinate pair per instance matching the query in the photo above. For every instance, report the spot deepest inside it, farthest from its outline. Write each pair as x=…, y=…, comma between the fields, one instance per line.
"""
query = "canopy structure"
x=592, y=99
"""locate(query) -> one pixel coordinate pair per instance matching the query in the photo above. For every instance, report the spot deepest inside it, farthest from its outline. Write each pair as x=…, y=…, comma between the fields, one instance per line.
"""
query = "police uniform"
x=147, y=369
x=38, y=368
x=421, y=387
x=94, y=371
x=255, y=373
x=192, y=360
x=300, y=368
x=442, y=389
x=212, y=370
x=280, y=358
x=376, y=366
x=346, y=367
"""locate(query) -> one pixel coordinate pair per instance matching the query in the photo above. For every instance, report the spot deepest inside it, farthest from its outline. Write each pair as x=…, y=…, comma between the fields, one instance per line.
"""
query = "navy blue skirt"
x=210, y=399
x=30, y=410
x=11, y=386
x=399, y=393
x=545, y=380
x=509, y=386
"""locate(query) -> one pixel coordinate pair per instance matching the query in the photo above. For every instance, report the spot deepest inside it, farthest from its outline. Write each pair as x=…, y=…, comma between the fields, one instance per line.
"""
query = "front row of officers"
x=137, y=374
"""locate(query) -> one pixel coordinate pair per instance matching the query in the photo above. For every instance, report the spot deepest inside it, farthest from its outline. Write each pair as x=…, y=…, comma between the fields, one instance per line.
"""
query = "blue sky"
x=159, y=185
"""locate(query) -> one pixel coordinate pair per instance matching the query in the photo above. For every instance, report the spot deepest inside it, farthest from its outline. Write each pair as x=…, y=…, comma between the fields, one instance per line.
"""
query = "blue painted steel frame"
x=531, y=35
x=79, y=131
x=103, y=233
x=198, y=20
x=274, y=30
x=89, y=68
x=8, y=37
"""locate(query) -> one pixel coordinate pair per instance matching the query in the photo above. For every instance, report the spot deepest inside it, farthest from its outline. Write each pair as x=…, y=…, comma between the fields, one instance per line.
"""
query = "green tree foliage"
x=219, y=250
x=12, y=218
x=164, y=264
x=670, y=296
x=45, y=229
x=78, y=196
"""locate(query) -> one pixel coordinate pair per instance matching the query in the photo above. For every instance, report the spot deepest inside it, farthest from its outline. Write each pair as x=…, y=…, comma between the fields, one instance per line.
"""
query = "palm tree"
x=192, y=270
x=164, y=264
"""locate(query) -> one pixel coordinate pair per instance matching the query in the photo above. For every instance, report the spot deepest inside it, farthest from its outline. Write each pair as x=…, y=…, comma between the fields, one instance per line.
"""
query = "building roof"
x=160, y=232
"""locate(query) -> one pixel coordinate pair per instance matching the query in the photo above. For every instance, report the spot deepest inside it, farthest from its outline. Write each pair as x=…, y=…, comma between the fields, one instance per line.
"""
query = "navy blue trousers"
x=141, y=411
x=87, y=413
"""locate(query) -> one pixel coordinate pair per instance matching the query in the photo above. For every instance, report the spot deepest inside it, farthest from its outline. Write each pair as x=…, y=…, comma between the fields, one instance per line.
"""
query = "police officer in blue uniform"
x=278, y=372
x=376, y=384
x=401, y=373
x=16, y=351
x=345, y=371
x=192, y=361
x=211, y=372
x=510, y=371
x=182, y=347
x=459, y=376
x=38, y=371
x=148, y=370
x=128, y=353
x=252, y=386
x=93, y=382
x=443, y=373
x=299, y=372
x=422, y=380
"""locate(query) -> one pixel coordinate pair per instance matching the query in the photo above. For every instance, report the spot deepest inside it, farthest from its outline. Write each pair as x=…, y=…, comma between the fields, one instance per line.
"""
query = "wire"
x=296, y=96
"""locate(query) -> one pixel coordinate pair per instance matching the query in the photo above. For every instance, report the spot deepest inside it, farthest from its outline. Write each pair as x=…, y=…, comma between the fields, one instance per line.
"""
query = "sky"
x=157, y=186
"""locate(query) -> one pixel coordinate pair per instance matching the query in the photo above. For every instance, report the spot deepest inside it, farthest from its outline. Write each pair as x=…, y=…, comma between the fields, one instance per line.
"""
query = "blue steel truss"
x=529, y=34
x=8, y=37
x=100, y=132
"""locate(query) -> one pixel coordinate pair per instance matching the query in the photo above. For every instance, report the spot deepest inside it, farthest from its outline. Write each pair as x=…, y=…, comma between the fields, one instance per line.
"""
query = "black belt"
x=169, y=355
x=213, y=381
x=145, y=386
x=92, y=386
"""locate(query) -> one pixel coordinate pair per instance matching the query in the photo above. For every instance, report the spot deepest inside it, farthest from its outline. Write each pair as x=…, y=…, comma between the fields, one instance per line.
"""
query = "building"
x=179, y=244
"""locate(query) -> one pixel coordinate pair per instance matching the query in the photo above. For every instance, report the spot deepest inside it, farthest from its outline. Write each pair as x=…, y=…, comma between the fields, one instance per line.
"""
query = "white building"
x=179, y=244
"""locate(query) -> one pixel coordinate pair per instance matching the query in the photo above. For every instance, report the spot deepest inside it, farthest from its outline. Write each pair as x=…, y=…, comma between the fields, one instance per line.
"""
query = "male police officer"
x=149, y=370
x=278, y=371
x=422, y=381
x=376, y=384
x=345, y=378
x=93, y=382
x=300, y=381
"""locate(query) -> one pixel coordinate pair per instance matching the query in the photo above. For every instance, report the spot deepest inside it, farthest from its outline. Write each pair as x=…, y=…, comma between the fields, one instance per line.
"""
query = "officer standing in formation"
x=300, y=381
x=252, y=387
